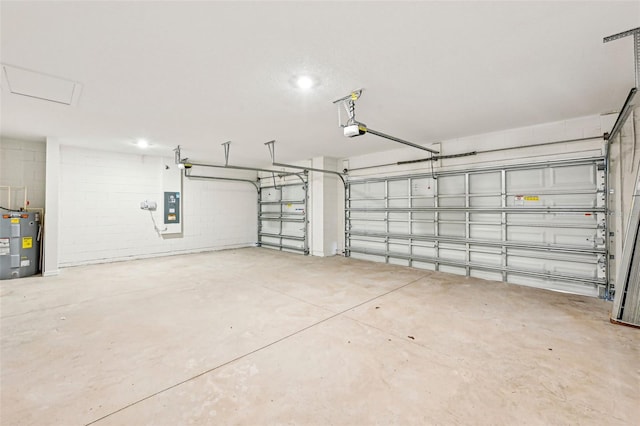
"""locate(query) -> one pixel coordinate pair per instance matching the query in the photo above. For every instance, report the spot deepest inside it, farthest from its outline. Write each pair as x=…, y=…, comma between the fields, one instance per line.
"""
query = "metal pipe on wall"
x=472, y=153
x=254, y=183
x=272, y=153
x=585, y=160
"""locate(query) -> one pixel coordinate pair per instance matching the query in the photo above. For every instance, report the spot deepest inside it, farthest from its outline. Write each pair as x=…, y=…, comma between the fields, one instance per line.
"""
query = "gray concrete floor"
x=255, y=337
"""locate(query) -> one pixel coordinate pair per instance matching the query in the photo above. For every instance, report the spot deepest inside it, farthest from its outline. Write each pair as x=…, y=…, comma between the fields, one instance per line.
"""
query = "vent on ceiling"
x=33, y=84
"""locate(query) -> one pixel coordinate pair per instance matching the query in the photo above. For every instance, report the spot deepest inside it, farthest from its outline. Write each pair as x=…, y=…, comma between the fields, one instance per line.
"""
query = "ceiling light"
x=305, y=82
x=142, y=143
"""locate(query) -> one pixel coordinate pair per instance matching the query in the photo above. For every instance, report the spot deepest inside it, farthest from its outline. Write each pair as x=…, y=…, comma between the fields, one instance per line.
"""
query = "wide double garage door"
x=542, y=225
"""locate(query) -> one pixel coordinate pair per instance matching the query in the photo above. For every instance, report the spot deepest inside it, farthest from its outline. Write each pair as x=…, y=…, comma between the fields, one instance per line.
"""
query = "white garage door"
x=541, y=225
x=282, y=217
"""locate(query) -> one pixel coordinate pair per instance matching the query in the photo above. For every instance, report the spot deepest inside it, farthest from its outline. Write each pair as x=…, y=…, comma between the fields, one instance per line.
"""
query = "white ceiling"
x=201, y=73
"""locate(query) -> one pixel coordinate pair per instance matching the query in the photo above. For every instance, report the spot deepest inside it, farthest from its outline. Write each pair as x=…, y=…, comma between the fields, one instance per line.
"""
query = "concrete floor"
x=258, y=337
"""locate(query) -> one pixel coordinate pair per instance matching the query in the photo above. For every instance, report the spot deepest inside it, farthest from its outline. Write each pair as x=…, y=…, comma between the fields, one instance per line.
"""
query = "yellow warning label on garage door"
x=531, y=198
x=27, y=242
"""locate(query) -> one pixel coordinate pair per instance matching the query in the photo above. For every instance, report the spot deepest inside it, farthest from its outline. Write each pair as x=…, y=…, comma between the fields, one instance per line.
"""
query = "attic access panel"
x=41, y=86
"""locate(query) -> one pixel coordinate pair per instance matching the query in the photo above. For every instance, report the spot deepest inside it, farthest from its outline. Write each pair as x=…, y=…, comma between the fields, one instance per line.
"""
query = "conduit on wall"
x=472, y=153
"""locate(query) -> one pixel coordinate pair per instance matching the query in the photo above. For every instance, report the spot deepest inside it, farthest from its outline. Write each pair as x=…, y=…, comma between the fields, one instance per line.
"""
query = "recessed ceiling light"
x=142, y=143
x=305, y=82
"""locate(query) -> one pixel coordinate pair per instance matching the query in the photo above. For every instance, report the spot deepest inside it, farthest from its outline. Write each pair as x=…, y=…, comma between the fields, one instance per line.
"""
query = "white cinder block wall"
x=101, y=220
x=22, y=164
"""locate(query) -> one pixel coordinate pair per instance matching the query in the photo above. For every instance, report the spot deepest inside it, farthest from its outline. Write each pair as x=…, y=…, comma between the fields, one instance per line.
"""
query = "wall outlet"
x=148, y=205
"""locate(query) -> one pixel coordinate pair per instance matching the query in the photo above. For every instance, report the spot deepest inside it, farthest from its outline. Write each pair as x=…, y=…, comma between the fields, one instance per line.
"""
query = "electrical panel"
x=171, y=207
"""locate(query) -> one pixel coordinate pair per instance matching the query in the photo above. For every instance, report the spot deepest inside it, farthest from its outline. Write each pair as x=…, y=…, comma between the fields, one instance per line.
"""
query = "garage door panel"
x=398, y=188
x=399, y=248
x=399, y=203
x=451, y=185
x=418, y=215
x=399, y=216
x=368, y=204
x=369, y=257
x=452, y=202
x=423, y=202
x=368, y=245
x=420, y=228
x=423, y=187
x=484, y=183
x=373, y=216
x=424, y=251
x=486, y=259
x=293, y=192
x=456, y=270
x=293, y=228
x=485, y=201
x=401, y=262
x=456, y=216
x=570, y=219
x=573, y=177
x=452, y=230
x=525, y=235
x=486, y=275
x=486, y=217
x=561, y=267
x=533, y=199
x=399, y=227
x=572, y=237
x=580, y=238
x=270, y=195
x=575, y=287
x=424, y=265
x=525, y=180
x=485, y=232
x=368, y=226
x=270, y=227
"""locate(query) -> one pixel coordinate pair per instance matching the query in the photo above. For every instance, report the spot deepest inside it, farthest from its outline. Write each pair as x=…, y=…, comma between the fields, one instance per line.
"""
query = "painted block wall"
x=22, y=163
x=101, y=220
x=324, y=221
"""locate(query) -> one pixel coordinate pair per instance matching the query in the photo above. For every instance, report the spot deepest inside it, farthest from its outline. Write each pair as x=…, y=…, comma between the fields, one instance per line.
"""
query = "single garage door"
x=282, y=217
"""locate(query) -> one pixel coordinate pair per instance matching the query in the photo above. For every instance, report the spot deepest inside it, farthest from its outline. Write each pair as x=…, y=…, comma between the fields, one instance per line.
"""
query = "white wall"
x=101, y=219
x=52, y=207
x=326, y=239
x=22, y=163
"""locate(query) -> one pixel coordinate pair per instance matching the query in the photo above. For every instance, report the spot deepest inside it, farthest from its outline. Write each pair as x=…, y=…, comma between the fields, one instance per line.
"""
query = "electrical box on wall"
x=172, y=217
x=171, y=207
